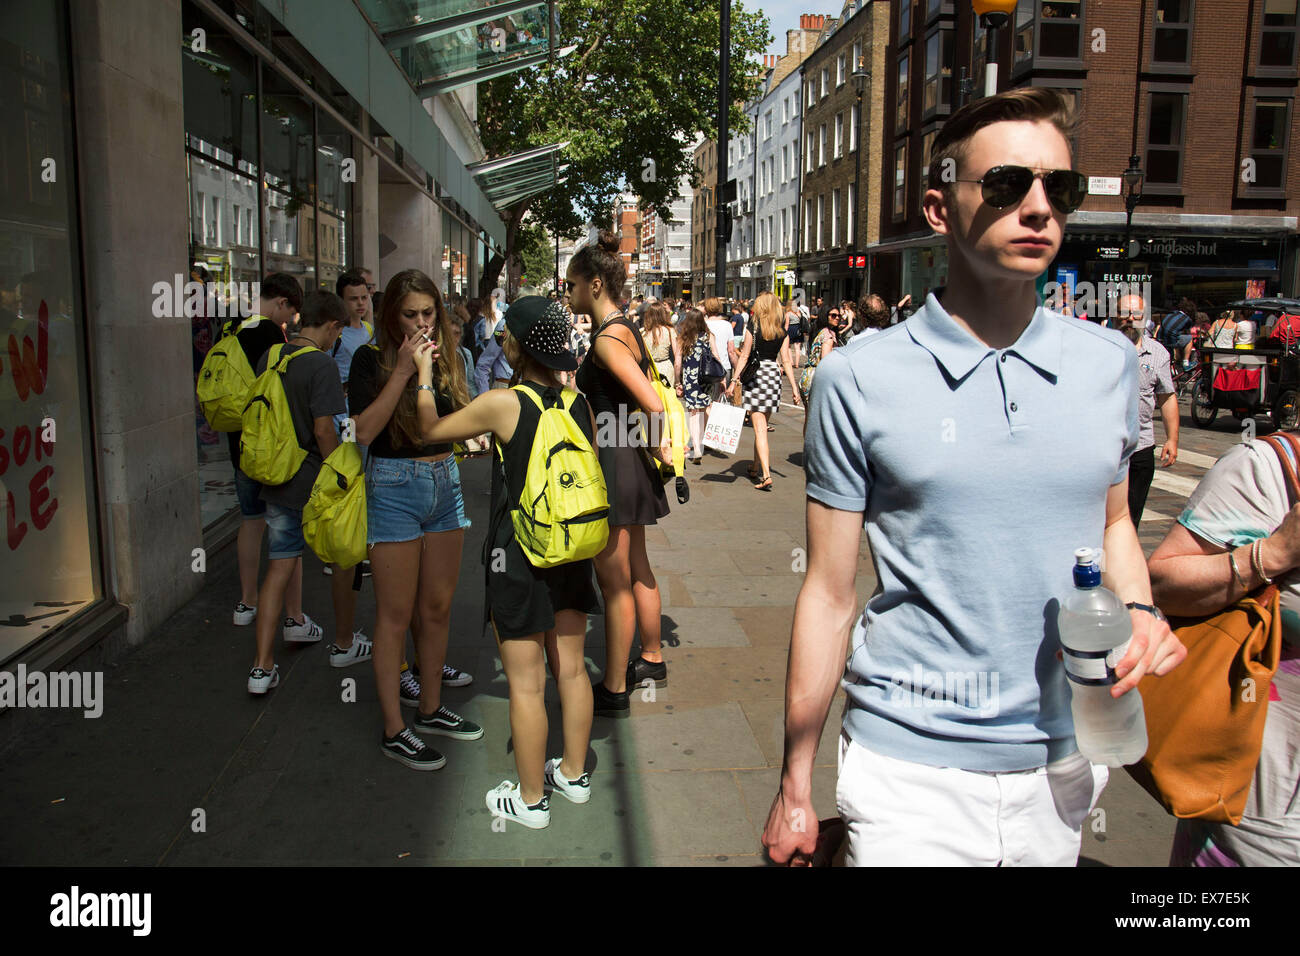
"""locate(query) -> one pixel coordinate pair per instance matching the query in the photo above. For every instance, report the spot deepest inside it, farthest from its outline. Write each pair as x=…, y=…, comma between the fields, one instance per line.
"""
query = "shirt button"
x=1003, y=359
x=1013, y=406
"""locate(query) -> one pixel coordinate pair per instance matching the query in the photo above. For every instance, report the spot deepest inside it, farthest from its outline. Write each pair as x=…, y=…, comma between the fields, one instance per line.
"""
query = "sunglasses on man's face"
x=1004, y=186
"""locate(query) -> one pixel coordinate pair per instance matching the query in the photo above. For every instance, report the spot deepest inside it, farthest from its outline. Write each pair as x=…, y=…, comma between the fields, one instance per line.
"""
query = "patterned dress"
x=694, y=394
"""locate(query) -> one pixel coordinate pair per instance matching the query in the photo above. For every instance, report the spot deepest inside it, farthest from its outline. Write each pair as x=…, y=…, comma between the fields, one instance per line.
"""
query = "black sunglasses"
x=1004, y=186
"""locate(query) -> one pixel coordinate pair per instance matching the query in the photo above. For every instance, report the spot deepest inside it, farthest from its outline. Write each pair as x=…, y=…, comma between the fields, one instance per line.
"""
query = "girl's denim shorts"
x=406, y=498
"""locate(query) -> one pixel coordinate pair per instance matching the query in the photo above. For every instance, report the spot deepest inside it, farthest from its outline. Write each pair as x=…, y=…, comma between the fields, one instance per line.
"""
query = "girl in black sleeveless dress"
x=613, y=377
x=537, y=612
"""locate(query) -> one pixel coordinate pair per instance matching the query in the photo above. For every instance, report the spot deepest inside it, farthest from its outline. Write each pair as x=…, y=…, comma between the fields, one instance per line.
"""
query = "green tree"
x=536, y=254
x=642, y=83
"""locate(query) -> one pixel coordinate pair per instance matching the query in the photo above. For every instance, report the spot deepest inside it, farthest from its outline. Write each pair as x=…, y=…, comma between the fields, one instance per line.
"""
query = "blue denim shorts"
x=406, y=498
x=284, y=532
x=249, y=494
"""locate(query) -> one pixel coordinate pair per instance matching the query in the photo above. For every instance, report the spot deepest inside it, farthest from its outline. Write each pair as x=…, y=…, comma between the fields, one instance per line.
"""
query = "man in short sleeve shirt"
x=1155, y=388
x=981, y=443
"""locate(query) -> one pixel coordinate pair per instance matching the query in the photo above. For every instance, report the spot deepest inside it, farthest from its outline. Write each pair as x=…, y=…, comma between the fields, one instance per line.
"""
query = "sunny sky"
x=784, y=15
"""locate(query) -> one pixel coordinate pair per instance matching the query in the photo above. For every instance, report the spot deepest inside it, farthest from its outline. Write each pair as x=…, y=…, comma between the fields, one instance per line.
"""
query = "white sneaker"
x=260, y=681
x=576, y=791
x=505, y=801
x=244, y=614
x=361, y=650
x=305, y=631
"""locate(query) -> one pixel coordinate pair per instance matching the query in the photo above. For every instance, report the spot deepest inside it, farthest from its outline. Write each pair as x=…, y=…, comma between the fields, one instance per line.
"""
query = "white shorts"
x=898, y=813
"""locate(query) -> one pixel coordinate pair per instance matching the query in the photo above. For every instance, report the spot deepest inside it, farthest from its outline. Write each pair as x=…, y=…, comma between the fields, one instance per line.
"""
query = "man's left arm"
x=1154, y=648
x=1168, y=400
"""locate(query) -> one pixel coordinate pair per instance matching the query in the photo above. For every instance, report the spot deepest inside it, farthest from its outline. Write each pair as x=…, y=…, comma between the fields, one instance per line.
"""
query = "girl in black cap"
x=537, y=612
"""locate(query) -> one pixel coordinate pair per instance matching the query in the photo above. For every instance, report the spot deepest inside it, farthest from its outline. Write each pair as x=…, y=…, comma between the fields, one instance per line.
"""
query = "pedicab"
x=1261, y=379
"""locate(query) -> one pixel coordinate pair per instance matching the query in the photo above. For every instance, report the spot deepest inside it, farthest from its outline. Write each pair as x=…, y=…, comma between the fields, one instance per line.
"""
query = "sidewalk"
x=297, y=778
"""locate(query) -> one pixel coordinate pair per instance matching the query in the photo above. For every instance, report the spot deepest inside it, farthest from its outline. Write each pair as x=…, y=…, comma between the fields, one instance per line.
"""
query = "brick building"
x=841, y=158
x=1202, y=93
x=704, y=222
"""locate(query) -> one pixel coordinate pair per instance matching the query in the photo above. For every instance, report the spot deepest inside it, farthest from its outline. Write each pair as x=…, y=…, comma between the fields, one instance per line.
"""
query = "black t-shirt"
x=765, y=349
x=255, y=340
x=313, y=390
x=365, y=382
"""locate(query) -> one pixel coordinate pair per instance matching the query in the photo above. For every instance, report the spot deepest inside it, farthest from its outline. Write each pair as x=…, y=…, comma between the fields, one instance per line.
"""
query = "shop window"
x=1165, y=132
x=47, y=507
x=1278, y=39
x=1171, y=42
x=1268, y=144
x=334, y=198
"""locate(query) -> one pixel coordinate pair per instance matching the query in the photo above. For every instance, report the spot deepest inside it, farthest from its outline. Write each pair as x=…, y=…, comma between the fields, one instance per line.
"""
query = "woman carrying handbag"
x=1239, y=537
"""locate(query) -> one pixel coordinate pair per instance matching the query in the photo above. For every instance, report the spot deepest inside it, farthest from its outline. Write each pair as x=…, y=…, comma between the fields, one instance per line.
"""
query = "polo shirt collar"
x=959, y=352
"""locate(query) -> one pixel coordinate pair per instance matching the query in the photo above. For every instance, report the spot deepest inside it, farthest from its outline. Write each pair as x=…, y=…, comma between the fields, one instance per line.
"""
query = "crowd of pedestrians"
x=1063, y=458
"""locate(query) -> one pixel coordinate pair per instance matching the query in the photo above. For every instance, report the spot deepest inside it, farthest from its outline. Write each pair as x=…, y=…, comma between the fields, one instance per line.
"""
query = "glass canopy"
x=445, y=44
x=508, y=179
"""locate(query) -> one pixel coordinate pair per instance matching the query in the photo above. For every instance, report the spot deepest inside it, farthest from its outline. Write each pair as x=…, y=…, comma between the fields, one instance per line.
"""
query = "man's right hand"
x=790, y=836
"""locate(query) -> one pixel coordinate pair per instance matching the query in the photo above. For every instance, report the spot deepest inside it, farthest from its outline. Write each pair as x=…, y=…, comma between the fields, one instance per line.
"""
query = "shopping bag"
x=722, y=431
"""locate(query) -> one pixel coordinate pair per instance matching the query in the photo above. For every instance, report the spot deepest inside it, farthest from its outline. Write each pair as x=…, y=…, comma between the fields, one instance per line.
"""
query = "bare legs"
x=761, y=453
x=249, y=547
x=631, y=599
x=525, y=667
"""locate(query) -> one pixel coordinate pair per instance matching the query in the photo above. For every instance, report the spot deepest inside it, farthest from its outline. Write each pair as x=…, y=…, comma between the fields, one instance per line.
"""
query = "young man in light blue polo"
x=981, y=443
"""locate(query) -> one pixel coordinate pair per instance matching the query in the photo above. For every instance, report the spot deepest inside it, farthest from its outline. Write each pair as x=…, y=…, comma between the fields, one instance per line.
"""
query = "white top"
x=1245, y=334
x=721, y=330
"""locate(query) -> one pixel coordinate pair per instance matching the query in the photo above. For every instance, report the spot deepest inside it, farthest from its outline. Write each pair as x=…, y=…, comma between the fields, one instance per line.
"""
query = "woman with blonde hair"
x=660, y=339
x=415, y=513
x=767, y=344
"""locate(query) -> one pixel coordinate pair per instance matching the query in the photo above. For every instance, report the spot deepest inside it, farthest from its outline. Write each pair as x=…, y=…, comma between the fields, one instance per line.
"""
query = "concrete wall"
x=130, y=144
x=410, y=227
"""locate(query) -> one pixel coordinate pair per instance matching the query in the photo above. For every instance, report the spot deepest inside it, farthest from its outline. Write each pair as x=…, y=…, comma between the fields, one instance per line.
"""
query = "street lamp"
x=860, y=79
x=1133, y=177
x=993, y=14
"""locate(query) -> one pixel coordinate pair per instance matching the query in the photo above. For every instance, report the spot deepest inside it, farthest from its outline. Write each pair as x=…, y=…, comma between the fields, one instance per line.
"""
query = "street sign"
x=788, y=277
x=1104, y=185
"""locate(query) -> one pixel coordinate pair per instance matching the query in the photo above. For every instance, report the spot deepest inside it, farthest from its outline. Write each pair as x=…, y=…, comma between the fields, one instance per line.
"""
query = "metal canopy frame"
x=538, y=169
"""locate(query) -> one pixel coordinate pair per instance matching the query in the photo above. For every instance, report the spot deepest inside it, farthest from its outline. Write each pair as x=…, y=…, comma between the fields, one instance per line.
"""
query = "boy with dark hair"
x=314, y=395
x=279, y=299
x=981, y=443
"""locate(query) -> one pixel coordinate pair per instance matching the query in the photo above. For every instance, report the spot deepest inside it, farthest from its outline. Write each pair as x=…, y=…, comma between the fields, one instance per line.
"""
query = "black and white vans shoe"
x=507, y=802
x=451, y=677
x=411, y=750
x=447, y=723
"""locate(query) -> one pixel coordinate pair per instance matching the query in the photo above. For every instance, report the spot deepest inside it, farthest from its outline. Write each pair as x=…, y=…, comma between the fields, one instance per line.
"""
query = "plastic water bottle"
x=1095, y=629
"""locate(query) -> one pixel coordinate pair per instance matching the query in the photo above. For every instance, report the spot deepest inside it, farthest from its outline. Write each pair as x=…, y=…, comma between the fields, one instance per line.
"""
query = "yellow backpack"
x=675, y=421
x=268, y=446
x=334, y=518
x=562, y=515
x=226, y=379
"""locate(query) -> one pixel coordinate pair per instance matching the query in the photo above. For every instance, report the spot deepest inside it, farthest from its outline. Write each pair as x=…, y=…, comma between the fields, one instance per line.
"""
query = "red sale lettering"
x=31, y=366
x=39, y=495
x=15, y=530
x=22, y=444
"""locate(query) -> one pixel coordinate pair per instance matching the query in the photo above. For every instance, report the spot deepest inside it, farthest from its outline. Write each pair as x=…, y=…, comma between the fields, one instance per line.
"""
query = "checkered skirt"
x=765, y=393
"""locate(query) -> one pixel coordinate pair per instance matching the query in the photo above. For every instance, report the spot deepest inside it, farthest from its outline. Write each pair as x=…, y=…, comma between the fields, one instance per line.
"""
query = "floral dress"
x=694, y=394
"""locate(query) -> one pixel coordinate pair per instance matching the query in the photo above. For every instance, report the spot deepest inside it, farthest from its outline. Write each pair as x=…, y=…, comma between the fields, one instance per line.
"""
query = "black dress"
x=522, y=599
x=636, y=492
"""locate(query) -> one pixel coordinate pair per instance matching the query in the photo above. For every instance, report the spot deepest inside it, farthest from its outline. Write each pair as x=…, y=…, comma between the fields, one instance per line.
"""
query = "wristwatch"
x=1149, y=608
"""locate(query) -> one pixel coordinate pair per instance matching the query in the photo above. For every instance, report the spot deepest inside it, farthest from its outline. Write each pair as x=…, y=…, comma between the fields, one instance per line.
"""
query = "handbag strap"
x=1288, y=469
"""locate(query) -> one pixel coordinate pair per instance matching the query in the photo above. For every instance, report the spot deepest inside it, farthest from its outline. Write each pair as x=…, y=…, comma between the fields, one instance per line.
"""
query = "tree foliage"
x=641, y=84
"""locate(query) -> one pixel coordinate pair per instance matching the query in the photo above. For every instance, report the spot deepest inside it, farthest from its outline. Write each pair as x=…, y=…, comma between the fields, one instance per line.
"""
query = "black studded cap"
x=542, y=329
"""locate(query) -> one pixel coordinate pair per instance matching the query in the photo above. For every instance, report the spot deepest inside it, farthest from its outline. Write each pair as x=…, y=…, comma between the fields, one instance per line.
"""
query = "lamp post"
x=1133, y=177
x=860, y=79
x=993, y=15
